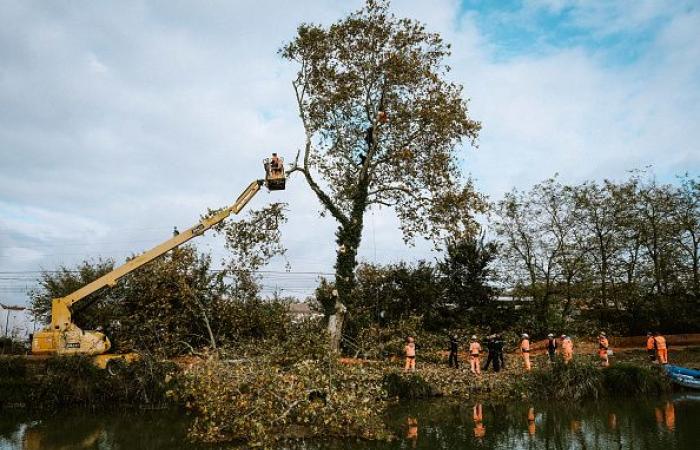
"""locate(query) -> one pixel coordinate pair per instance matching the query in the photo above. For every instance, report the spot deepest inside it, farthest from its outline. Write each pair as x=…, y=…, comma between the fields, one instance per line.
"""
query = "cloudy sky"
x=120, y=120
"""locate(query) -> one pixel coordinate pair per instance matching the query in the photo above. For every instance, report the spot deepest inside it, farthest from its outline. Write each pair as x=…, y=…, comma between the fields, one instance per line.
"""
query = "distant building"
x=302, y=311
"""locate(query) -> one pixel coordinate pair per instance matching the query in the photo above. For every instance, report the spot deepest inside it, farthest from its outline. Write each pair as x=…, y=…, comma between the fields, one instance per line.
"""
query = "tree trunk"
x=348, y=240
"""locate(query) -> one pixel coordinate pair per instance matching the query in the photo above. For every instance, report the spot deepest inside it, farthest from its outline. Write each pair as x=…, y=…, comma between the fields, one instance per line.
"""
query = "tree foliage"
x=623, y=254
x=173, y=305
x=382, y=127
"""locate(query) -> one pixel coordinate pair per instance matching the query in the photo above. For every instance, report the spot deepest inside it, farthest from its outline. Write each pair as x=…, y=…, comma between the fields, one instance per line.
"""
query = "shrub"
x=626, y=379
x=407, y=386
x=577, y=380
x=257, y=401
x=75, y=381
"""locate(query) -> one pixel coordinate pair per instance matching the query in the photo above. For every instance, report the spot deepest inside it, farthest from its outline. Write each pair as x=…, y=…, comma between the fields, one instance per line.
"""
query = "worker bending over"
x=525, y=350
x=603, y=347
x=567, y=347
x=661, y=349
x=410, y=351
x=474, y=353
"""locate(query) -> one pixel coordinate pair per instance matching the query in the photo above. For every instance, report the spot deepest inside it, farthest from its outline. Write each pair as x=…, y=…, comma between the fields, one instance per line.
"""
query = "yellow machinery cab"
x=275, y=178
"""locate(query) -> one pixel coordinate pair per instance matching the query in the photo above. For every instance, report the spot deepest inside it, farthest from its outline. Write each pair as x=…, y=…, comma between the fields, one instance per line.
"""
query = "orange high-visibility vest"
x=603, y=343
x=411, y=349
x=567, y=344
x=474, y=349
x=525, y=346
x=660, y=342
x=650, y=343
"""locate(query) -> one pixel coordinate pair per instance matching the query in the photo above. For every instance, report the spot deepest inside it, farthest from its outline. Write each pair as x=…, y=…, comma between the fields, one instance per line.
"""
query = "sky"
x=120, y=120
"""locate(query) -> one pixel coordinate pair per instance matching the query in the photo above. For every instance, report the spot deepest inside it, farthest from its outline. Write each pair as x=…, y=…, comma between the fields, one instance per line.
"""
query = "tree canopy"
x=383, y=126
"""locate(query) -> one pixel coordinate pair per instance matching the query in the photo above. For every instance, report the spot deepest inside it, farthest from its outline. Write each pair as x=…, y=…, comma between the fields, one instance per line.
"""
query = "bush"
x=10, y=346
x=257, y=401
x=626, y=379
x=74, y=381
x=577, y=380
x=407, y=386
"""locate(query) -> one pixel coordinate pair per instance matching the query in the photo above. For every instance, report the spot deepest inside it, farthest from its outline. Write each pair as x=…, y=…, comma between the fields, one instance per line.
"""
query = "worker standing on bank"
x=661, y=349
x=525, y=351
x=491, y=353
x=454, y=351
x=603, y=346
x=410, y=351
x=567, y=347
x=474, y=356
x=498, y=347
x=651, y=346
x=551, y=347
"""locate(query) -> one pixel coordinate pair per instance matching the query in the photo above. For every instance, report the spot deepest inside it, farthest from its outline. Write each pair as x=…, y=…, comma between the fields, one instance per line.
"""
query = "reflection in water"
x=478, y=415
x=531, y=428
x=670, y=416
x=102, y=431
x=412, y=431
x=450, y=424
x=37, y=438
x=666, y=416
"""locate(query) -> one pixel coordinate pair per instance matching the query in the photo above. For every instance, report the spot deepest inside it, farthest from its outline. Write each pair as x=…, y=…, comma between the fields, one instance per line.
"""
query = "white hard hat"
x=525, y=335
x=550, y=335
x=563, y=335
x=474, y=336
x=602, y=333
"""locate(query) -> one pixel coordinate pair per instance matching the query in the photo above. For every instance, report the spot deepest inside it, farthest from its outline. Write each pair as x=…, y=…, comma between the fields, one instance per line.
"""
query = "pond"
x=653, y=424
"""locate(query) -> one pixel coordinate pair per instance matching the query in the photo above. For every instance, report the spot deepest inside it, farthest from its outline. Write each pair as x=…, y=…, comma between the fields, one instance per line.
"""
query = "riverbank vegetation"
x=76, y=382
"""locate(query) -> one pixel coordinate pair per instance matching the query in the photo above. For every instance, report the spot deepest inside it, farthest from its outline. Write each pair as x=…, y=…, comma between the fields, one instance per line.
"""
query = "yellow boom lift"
x=63, y=337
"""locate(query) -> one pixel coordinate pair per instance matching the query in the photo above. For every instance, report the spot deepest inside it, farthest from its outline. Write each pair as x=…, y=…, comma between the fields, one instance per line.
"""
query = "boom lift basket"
x=275, y=178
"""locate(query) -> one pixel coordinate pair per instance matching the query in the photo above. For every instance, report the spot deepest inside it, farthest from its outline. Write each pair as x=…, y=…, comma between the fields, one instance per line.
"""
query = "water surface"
x=647, y=424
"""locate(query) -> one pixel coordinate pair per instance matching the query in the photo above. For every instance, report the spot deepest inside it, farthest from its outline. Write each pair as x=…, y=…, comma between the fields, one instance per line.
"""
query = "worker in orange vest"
x=474, y=356
x=661, y=350
x=651, y=346
x=567, y=347
x=525, y=350
x=410, y=351
x=603, y=347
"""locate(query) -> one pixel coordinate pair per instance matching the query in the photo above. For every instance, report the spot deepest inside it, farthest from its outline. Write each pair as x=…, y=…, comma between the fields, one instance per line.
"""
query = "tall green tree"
x=382, y=126
x=687, y=218
x=467, y=279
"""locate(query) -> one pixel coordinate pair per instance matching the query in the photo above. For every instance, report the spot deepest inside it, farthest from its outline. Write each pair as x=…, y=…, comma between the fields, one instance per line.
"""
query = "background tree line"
x=622, y=254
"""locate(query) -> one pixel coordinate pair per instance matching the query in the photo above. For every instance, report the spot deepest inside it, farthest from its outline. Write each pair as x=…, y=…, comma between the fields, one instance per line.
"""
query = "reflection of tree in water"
x=606, y=424
x=11, y=425
x=109, y=431
x=633, y=424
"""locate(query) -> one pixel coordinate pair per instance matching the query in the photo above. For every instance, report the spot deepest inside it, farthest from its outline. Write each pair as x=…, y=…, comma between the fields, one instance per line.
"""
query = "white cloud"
x=118, y=123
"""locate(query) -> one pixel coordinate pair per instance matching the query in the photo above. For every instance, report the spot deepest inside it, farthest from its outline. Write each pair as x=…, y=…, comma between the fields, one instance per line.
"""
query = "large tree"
x=382, y=126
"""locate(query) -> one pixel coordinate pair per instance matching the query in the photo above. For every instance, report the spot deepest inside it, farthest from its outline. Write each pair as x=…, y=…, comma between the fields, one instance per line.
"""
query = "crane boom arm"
x=60, y=313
